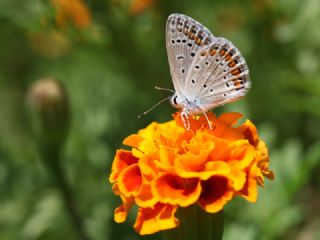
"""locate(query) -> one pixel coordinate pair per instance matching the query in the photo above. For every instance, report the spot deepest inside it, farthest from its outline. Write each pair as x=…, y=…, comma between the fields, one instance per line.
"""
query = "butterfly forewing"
x=207, y=71
x=184, y=39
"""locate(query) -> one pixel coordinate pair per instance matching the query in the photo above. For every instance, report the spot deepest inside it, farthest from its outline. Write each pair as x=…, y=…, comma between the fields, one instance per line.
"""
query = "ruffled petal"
x=145, y=198
x=215, y=194
x=121, y=161
x=151, y=220
x=230, y=118
x=130, y=181
x=134, y=140
x=121, y=213
x=176, y=190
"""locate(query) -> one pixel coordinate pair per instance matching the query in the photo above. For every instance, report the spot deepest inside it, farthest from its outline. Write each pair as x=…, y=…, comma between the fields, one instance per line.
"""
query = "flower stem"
x=50, y=120
x=211, y=226
x=53, y=162
x=196, y=224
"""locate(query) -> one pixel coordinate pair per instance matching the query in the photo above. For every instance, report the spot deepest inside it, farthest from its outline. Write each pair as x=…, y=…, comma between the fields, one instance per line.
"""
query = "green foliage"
x=109, y=69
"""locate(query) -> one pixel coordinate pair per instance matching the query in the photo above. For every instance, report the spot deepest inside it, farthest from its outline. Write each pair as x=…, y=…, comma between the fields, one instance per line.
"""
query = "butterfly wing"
x=218, y=75
x=184, y=39
x=208, y=71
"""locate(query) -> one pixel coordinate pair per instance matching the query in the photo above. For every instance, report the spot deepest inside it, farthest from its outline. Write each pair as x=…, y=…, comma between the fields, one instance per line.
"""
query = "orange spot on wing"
x=222, y=52
x=232, y=63
x=191, y=36
x=204, y=54
x=198, y=41
x=236, y=71
x=237, y=84
x=212, y=52
x=227, y=57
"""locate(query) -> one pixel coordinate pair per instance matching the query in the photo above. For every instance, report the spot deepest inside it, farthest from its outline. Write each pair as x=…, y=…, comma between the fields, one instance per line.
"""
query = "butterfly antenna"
x=164, y=89
x=154, y=106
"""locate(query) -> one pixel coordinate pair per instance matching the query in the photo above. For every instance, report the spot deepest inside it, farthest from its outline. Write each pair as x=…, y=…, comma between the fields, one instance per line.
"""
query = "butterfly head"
x=185, y=105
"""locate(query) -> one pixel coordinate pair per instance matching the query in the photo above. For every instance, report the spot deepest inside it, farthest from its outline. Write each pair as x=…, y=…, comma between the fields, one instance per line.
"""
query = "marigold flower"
x=138, y=6
x=74, y=11
x=170, y=167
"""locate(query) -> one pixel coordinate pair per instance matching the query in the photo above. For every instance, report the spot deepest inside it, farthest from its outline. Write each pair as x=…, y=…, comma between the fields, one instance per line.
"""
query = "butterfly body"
x=206, y=71
x=190, y=106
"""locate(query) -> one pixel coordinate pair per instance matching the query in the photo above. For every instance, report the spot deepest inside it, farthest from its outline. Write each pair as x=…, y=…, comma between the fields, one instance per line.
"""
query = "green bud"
x=49, y=108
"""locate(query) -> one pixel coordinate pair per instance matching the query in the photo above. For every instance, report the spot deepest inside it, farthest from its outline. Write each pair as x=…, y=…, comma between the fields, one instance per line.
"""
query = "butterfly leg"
x=185, y=119
x=206, y=116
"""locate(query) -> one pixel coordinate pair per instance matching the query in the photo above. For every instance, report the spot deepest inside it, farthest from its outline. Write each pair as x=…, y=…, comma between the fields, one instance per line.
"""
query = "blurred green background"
x=109, y=55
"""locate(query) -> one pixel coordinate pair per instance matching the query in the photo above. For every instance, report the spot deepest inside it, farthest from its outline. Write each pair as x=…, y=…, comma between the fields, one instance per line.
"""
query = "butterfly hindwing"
x=218, y=75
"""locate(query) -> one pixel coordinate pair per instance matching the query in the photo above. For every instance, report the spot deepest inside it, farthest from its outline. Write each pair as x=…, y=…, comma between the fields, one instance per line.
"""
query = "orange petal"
x=133, y=140
x=210, y=169
x=149, y=167
x=216, y=193
x=230, y=118
x=175, y=190
x=121, y=213
x=115, y=189
x=221, y=146
x=250, y=132
x=241, y=157
x=121, y=161
x=160, y=217
x=263, y=160
x=238, y=179
x=145, y=198
x=250, y=191
x=150, y=131
x=201, y=162
x=130, y=181
x=167, y=157
x=226, y=132
x=194, y=160
x=241, y=154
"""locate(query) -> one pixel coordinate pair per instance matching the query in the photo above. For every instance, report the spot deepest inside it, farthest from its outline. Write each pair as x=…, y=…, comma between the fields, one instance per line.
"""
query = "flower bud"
x=49, y=108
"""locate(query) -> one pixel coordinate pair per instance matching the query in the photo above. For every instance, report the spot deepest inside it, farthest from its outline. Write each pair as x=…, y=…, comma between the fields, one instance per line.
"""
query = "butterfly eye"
x=175, y=100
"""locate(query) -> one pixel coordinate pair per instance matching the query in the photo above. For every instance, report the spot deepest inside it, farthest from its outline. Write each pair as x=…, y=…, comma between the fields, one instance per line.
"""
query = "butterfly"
x=206, y=71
